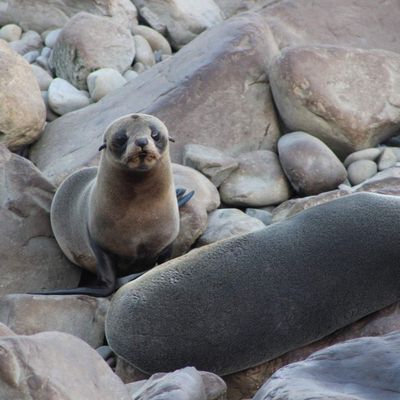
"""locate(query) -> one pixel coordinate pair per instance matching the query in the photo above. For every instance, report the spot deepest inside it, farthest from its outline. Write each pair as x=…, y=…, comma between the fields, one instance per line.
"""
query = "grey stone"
x=50, y=114
x=213, y=163
x=64, y=98
x=90, y=42
x=263, y=215
x=51, y=37
x=81, y=316
x=22, y=111
x=259, y=181
x=387, y=159
x=361, y=170
x=366, y=154
x=144, y=53
x=103, y=81
x=42, y=366
x=232, y=7
x=336, y=113
x=43, y=77
x=29, y=41
x=46, y=51
x=157, y=41
x=309, y=164
x=43, y=62
x=211, y=92
x=362, y=369
x=227, y=223
x=31, y=258
x=10, y=32
x=139, y=68
x=31, y=56
x=385, y=182
x=130, y=75
x=183, y=20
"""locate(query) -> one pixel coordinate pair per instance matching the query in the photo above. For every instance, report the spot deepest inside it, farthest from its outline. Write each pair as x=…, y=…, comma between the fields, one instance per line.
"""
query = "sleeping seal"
x=122, y=217
x=243, y=301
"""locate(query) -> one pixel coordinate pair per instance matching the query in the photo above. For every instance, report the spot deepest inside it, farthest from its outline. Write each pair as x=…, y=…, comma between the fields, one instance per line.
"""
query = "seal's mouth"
x=141, y=159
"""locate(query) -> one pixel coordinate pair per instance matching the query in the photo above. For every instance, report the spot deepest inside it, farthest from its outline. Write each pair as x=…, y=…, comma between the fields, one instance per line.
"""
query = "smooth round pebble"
x=10, y=32
x=387, y=159
x=130, y=75
x=104, y=81
x=51, y=38
x=43, y=77
x=361, y=170
x=31, y=56
x=154, y=38
x=139, y=67
x=263, y=215
x=144, y=52
x=46, y=51
x=366, y=154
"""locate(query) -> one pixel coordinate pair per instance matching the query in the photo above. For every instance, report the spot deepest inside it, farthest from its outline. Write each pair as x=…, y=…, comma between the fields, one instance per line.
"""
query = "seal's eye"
x=155, y=135
x=120, y=138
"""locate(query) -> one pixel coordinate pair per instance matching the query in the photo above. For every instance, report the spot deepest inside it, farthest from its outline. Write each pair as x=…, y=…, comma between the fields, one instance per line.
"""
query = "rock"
x=385, y=182
x=5, y=330
x=29, y=41
x=387, y=159
x=211, y=92
x=346, y=120
x=144, y=53
x=193, y=215
x=127, y=373
x=43, y=77
x=183, y=384
x=50, y=114
x=10, y=32
x=154, y=38
x=259, y=181
x=46, y=51
x=309, y=164
x=31, y=56
x=104, y=81
x=31, y=258
x=227, y=223
x=43, y=62
x=130, y=75
x=139, y=68
x=52, y=37
x=64, y=98
x=81, y=316
x=246, y=383
x=42, y=366
x=358, y=369
x=232, y=7
x=361, y=170
x=42, y=15
x=183, y=20
x=89, y=42
x=366, y=154
x=22, y=111
x=214, y=164
x=263, y=215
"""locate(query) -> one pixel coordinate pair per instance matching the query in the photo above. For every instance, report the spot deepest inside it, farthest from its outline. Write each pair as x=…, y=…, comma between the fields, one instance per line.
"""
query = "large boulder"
x=362, y=369
x=181, y=20
x=353, y=105
x=43, y=15
x=212, y=92
x=30, y=257
x=22, y=110
x=90, y=42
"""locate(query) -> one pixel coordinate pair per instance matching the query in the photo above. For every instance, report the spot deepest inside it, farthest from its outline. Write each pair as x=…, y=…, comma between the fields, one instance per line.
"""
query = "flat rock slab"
x=212, y=92
x=360, y=369
x=250, y=299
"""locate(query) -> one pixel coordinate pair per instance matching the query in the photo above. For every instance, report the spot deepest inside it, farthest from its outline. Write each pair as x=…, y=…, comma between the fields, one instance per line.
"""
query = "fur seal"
x=243, y=301
x=122, y=217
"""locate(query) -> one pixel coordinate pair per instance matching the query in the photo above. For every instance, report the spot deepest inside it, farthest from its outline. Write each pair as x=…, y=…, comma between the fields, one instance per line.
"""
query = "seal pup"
x=243, y=301
x=121, y=217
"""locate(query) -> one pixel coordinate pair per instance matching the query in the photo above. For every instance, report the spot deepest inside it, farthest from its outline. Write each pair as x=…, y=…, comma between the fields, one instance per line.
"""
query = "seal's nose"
x=141, y=142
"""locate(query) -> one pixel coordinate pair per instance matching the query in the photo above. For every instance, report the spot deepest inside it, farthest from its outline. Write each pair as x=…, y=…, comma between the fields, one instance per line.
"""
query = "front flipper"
x=182, y=197
x=105, y=282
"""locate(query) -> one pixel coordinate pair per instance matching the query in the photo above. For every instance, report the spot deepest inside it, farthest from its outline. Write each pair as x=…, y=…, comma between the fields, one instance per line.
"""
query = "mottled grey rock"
x=103, y=81
x=193, y=215
x=30, y=257
x=90, y=42
x=64, y=98
x=259, y=181
x=226, y=223
x=309, y=164
x=211, y=92
x=81, y=316
x=387, y=159
x=144, y=53
x=44, y=365
x=362, y=369
x=43, y=77
x=366, y=154
x=358, y=109
x=51, y=38
x=10, y=32
x=154, y=38
x=22, y=111
x=263, y=215
x=183, y=20
x=361, y=170
x=130, y=75
x=213, y=163
x=29, y=41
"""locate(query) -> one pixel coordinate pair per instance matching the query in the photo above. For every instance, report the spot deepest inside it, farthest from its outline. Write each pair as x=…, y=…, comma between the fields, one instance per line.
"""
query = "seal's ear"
x=171, y=139
x=102, y=147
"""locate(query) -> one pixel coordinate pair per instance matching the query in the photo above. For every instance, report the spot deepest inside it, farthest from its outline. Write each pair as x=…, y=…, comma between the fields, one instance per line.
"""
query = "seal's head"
x=136, y=142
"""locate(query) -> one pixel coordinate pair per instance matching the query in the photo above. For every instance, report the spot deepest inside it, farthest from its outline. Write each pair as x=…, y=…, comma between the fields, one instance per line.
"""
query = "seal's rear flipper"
x=182, y=197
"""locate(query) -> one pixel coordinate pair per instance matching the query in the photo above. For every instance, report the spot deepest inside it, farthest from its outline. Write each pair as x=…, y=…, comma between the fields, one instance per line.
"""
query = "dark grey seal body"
x=243, y=301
